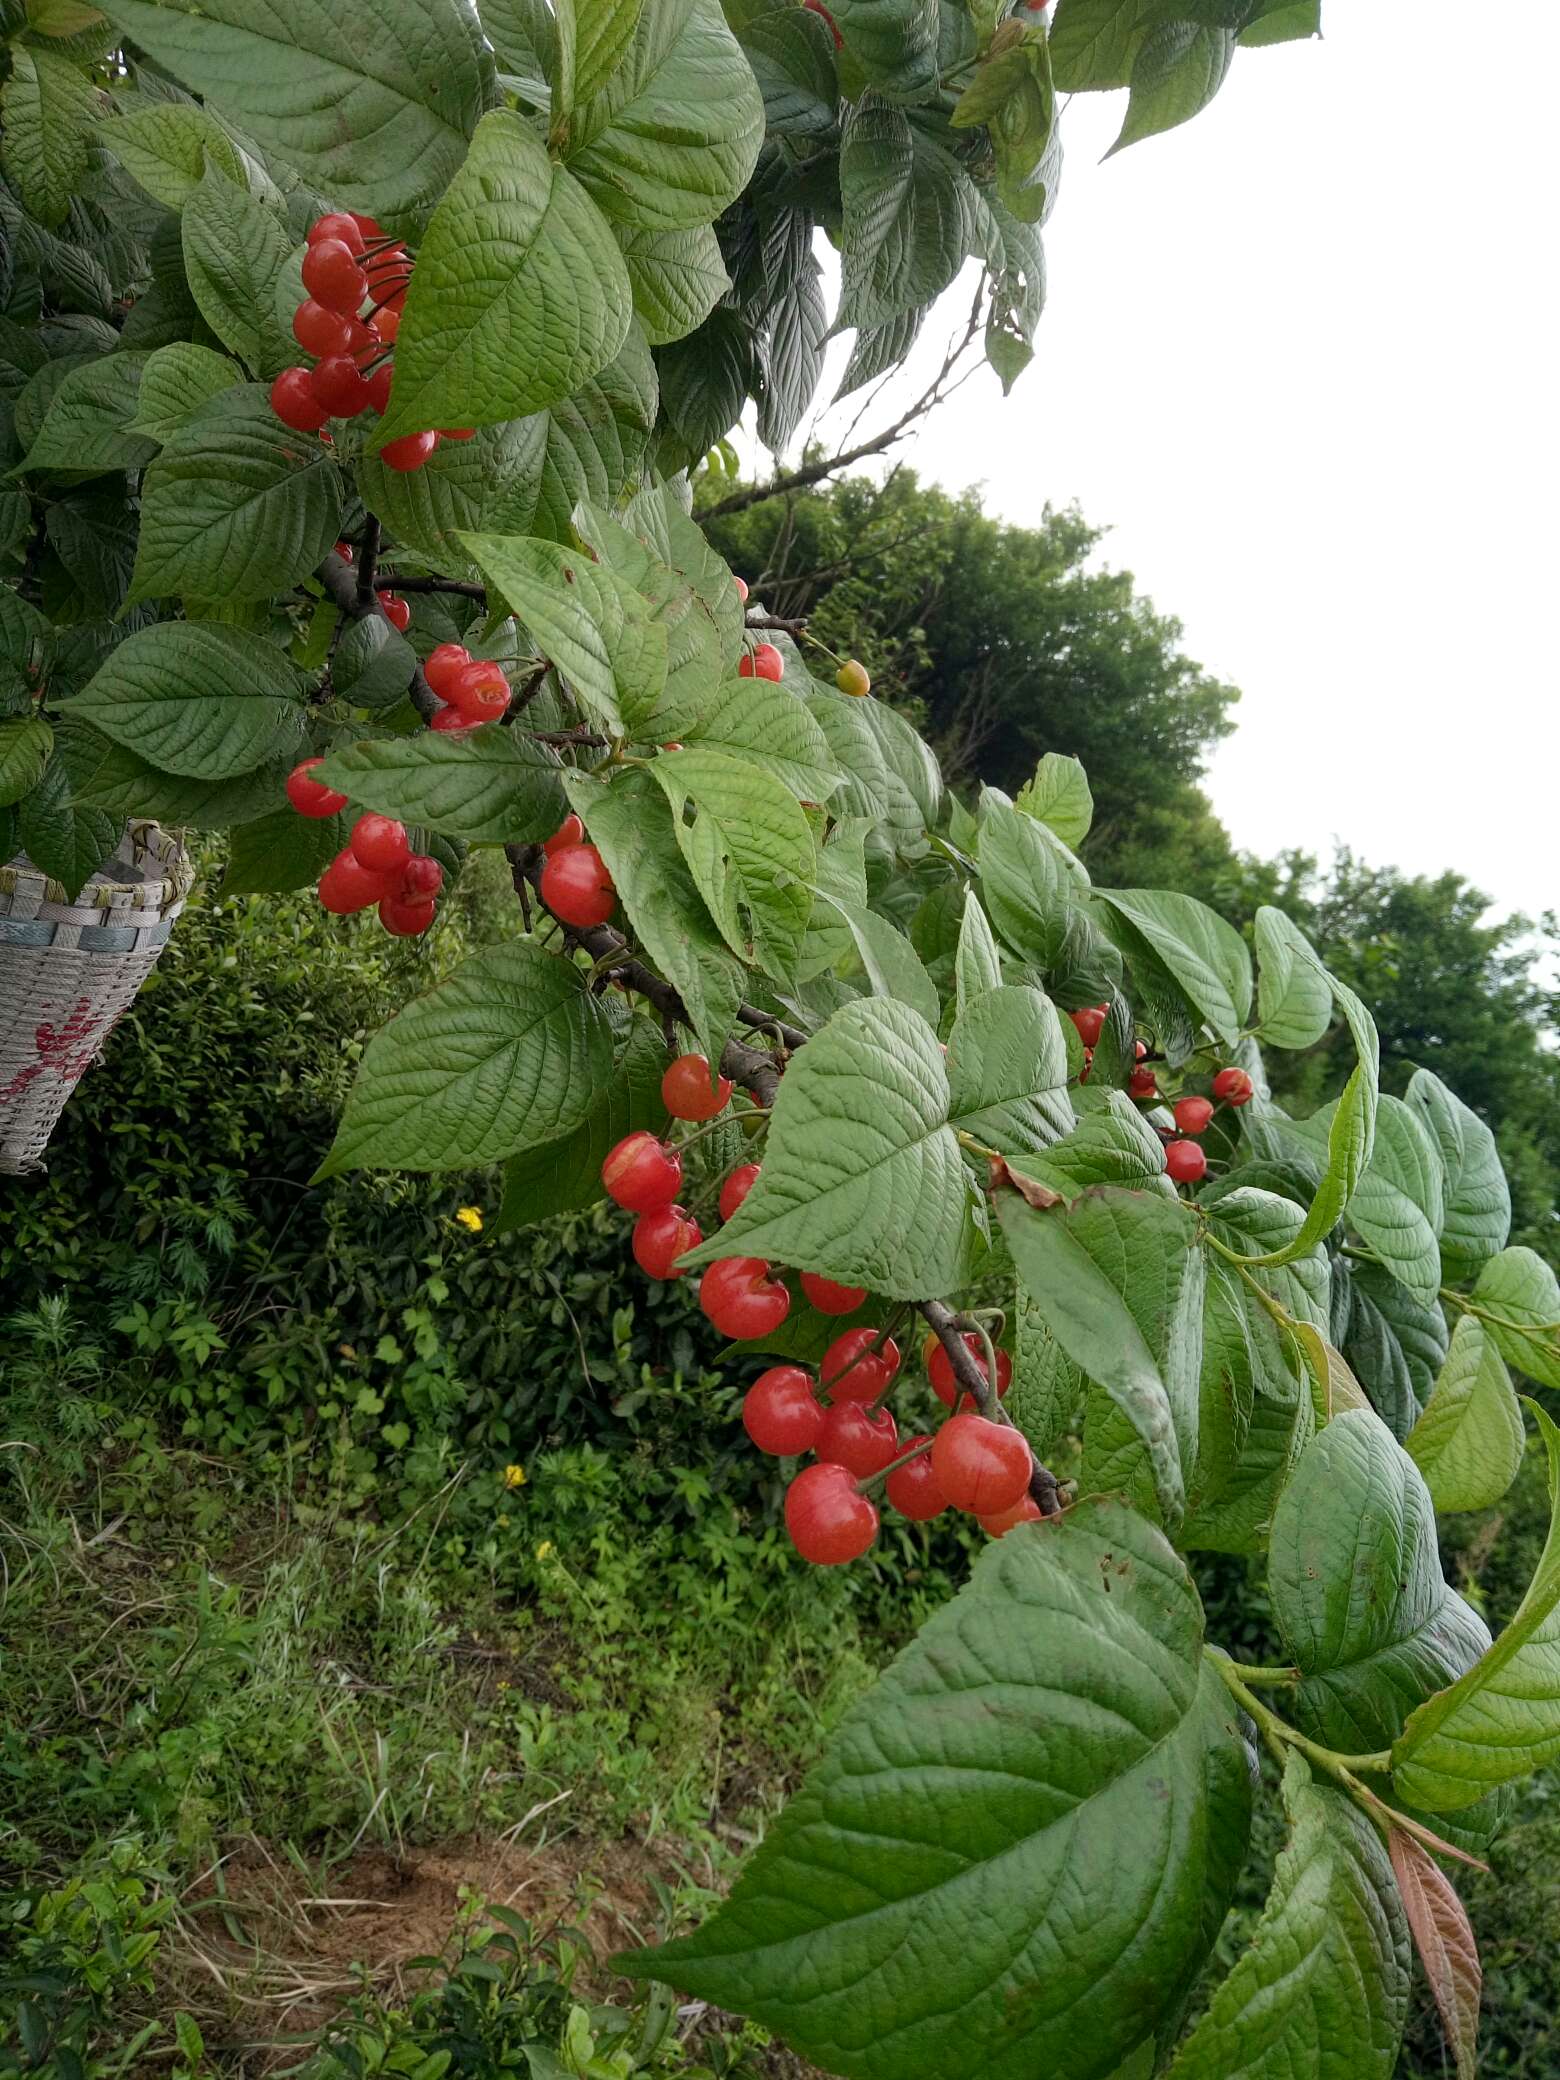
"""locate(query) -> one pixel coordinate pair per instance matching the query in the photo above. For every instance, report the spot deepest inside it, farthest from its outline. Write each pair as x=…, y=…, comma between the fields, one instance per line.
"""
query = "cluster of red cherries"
x=1185, y=1161
x=578, y=890
x=376, y=866
x=351, y=262
x=972, y=1463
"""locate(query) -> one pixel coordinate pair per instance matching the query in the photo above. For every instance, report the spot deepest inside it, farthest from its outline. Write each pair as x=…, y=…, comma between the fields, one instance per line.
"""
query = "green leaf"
x=167, y=146
x=1444, y=1938
x=235, y=252
x=1118, y=1278
x=1093, y=41
x=112, y=777
x=1354, y=1573
x=862, y=1177
x=175, y=382
x=372, y=664
x=792, y=55
x=1500, y=1721
x=524, y=34
x=630, y=824
x=749, y=848
x=25, y=744
x=977, y=963
x=371, y=101
x=1016, y=260
x=520, y=294
x=508, y=1053
x=1283, y=21
x=1323, y=1989
x=1030, y=883
x=47, y=110
x=696, y=675
x=677, y=277
x=284, y=851
x=1468, y=1443
x=1059, y=797
x=705, y=379
x=765, y=725
x=593, y=36
x=1007, y=1071
x=1112, y=1143
x=1396, y=1204
x=1177, y=70
x=494, y=787
x=1206, y=956
x=1053, y=1719
x=1014, y=96
x=791, y=353
x=670, y=141
x=710, y=576
x=1294, y=998
x=905, y=216
x=84, y=430
x=895, y=42
x=196, y=700
x=69, y=843
x=893, y=967
x=1395, y=1342
x=1477, y=1212
x=594, y=626
x=567, y=1173
x=1518, y=1301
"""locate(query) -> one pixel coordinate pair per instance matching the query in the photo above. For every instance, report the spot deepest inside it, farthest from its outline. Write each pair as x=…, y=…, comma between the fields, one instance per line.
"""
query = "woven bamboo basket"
x=69, y=970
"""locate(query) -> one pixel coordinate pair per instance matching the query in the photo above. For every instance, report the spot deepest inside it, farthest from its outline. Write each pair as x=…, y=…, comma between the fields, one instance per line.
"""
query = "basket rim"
x=142, y=840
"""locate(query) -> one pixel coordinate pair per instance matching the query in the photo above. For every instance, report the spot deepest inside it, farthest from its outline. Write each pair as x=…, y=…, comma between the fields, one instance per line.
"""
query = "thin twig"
x=368, y=559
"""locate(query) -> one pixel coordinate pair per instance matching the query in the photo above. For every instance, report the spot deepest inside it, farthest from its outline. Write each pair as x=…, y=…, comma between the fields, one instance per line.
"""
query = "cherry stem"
x=871, y=1480
x=869, y=1350
x=726, y=1119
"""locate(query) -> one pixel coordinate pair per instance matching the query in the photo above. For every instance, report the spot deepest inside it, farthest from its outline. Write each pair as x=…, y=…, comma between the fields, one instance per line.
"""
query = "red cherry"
x=1234, y=1086
x=995, y=1522
x=421, y=879
x=1142, y=1084
x=742, y=590
x=1185, y=1161
x=378, y=386
x=451, y=722
x=939, y=1369
x=339, y=386
x=577, y=888
x=660, y=1237
x=912, y=1488
x=294, y=402
x=369, y=226
x=332, y=276
x=686, y=1091
x=444, y=662
x=404, y=920
x=980, y=1466
x=1139, y=1049
x=387, y=323
x=409, y=453
x=830, y=1298
x=849, y=1375
x=641, y=1173
x=570, y=832
x=1090, y=1023
x=319, y=331
x=480, y=690
x=457, y=433
x=828, y=1520
x=763, y=663
x=736, y=1188
x=311, y=797
x=344, y=551
x=347, y=885
x=781, y=1413
x=742, y=1300
x=1088, y=1064
x=337, y=224
x=853, y=1436
x=398, y=611
x=1193, y=1114
x=379, y=843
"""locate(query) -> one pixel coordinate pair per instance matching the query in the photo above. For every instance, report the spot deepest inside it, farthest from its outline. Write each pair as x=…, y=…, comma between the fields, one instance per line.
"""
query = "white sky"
x=1299, y=356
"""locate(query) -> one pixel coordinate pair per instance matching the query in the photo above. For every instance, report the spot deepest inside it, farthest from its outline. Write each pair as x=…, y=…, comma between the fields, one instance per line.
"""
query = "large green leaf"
x=1294, y=998
x=1111, y=1143
x=696, y=677
x=1468, y=1443
x=749, y=848
x=1007, y=1071
x=85, y=429
x=977, y=963
x=67, y=841
x=790, y=353
x=1046, y=1763
x=237, y=506
x=1500, y=1721
x=592, y=37
x=1394, y=1341
x=892, y=966
x=508, y=1053
x=1059, y=797
x=767, y=726
x=47, y=109
x=862, y=1177
x=195, y=699
x=1177, y=69
x=519, y=295
x=494, y=787
x=1093, y=41
x=1477, y=1212
x=175, y=382
x=1206, y=956
x=114, y=778
x=25, y=744
x=1118, y=1277
x=235, y=252
x=895, y=42
x=1323, y=1989
x=567, y=1173
x=284, y=851
x=524, y=35
x=906, y=216
x=372, y=101
x=1518, y=1300
x=673, y=136
x=678, y=277
x=167, y=147
x=1354, y=1573
x=630, y=823
x=792, y=55
x=1029, y=881
x=1397, y=1204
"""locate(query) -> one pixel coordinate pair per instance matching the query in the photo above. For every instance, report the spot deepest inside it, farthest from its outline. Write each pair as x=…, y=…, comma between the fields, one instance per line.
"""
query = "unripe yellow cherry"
x=853, y=677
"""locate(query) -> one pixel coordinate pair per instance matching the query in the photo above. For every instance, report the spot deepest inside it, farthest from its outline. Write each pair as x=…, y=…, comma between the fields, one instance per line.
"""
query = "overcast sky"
x=1299, y=356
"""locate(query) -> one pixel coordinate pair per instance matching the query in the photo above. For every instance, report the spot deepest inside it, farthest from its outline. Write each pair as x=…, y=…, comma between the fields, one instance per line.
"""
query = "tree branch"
x=463, y=586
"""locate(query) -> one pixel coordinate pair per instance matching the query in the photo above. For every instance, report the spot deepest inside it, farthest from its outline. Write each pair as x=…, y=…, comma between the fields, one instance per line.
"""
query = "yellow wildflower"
x=514, y=1476
x=545, y=1550
x=470, y=1217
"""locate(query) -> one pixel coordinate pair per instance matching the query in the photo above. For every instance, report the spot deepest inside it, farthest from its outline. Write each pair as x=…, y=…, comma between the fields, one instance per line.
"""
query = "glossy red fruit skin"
x=686, y=1091
x=339, y=386
x=404, y=920
x=457, y=433
x=577, y=888
x=369, y=226
x=736, y=1188
x=763, y=663
x=994, y=1522
x=912, y=1488
x=1185, y=1161
x=421, y=879
x=742, y=589
x=337, y=224
x=1193, y=1114
x=332, y=276
x=409, y=453
x=398, y=612
x=1142, y=1083
x=450, y=722
x=828, y=1521
x=846, y=1379
x=311, y=797
x=781, y=1413
x=378, y=386
x=379, y=845
x=387, y=323
x=939, y=1370
x=829, y=1297
x=319, y=331
x=347, y=885
x=660, y=1238
x=641, y=1173
x=480, y=690
x=294, y=402
x=982, y=1467
x=1234, y=1086
x=741, y=1299
x=444, y=661
x=1090, y=1023
x=570, y=832
x=853, y=1436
